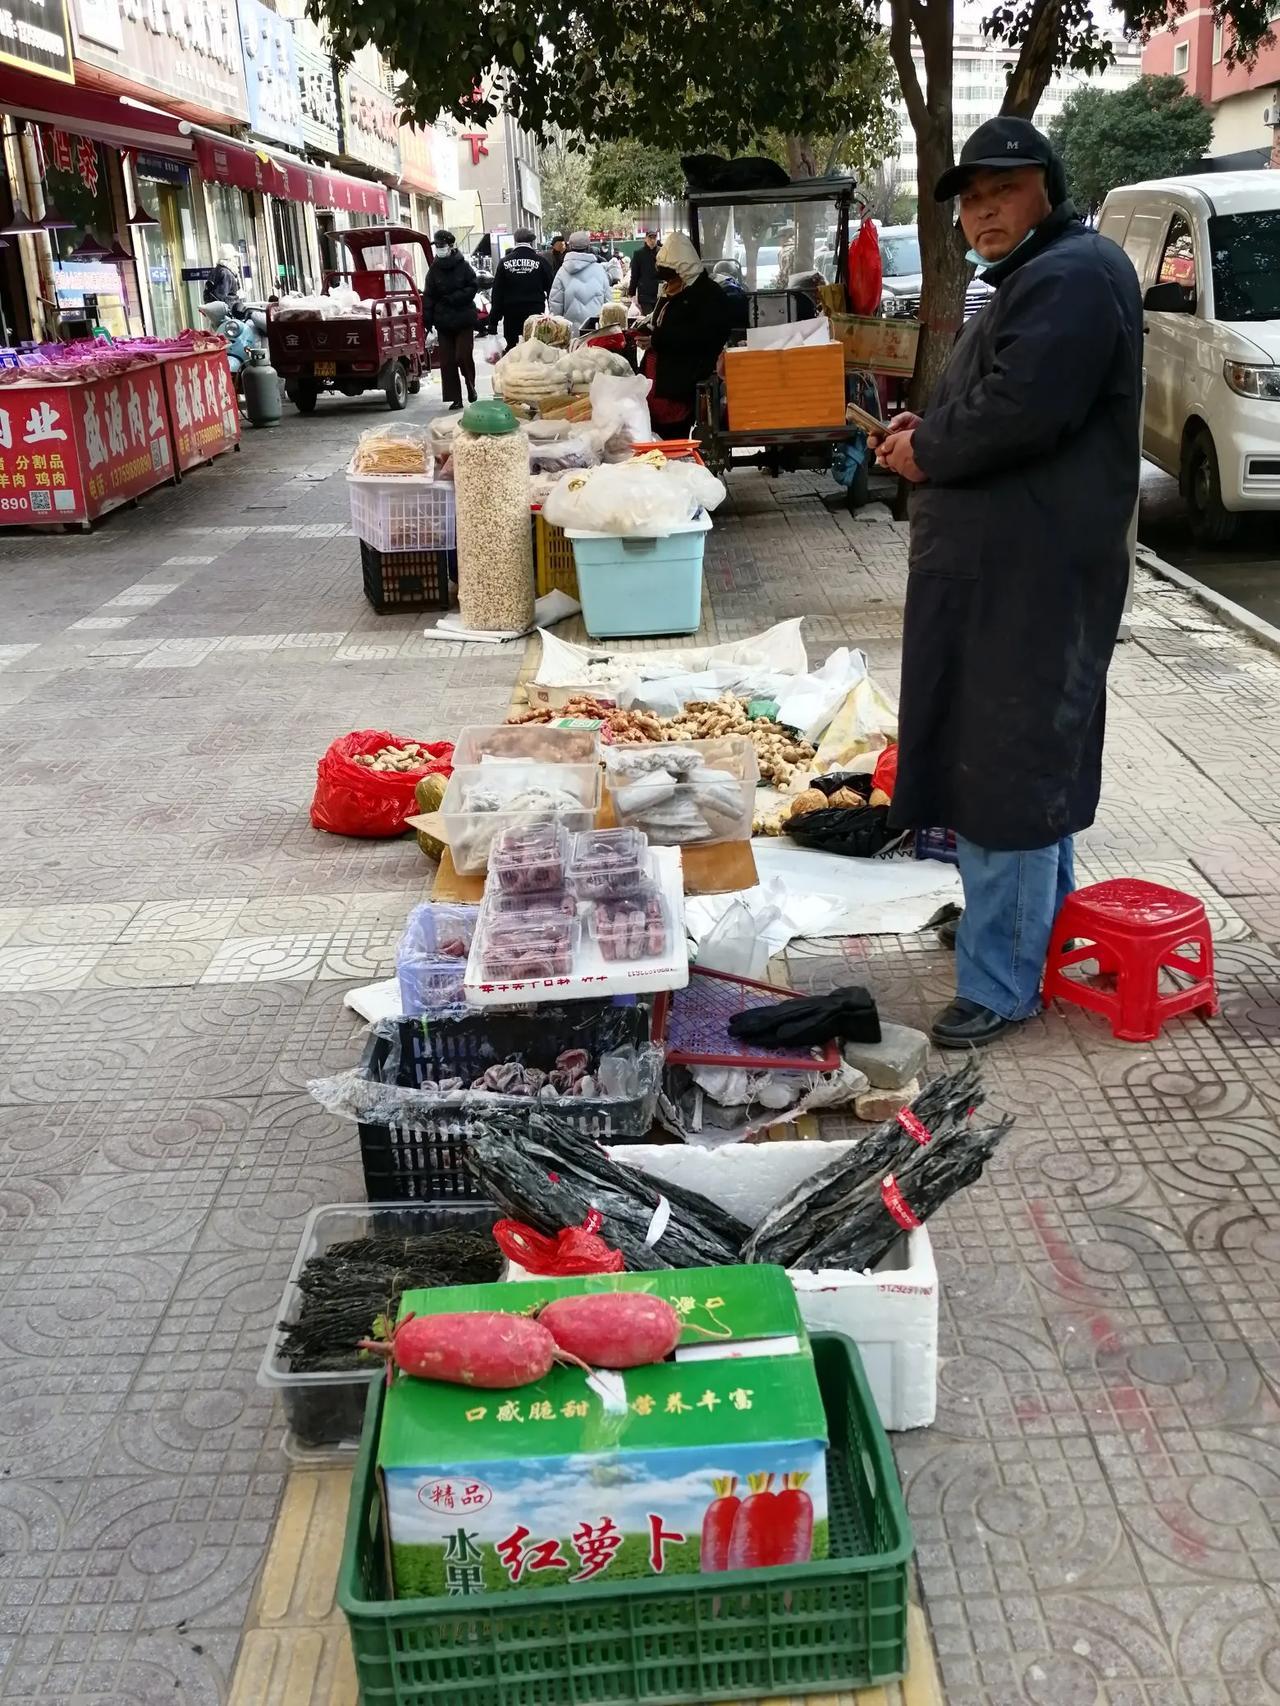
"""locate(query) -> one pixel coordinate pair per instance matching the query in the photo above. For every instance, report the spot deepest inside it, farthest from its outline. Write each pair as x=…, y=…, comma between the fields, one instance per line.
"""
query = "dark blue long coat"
x=1019, y=562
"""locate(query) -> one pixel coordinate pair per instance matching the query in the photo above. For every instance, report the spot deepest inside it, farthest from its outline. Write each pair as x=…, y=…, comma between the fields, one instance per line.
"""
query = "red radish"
x=753, y=1542
x=486, y=1348
x=717, y=1524
x=793, y=1515
x=613, y=1329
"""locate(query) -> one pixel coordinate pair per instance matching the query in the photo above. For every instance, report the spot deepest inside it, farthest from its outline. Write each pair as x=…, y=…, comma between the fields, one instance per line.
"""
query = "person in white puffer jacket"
x=580, y=288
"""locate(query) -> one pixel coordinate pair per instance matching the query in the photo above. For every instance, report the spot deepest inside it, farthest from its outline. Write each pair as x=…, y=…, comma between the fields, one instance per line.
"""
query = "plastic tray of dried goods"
x=839, y=1623
x=325, y=1410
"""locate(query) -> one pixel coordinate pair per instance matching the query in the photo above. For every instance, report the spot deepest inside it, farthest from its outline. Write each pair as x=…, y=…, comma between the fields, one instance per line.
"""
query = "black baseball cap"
x=1001, y=144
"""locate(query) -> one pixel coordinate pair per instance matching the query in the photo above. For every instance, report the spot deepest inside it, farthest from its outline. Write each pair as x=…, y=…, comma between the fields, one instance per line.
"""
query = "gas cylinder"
x=261, y=385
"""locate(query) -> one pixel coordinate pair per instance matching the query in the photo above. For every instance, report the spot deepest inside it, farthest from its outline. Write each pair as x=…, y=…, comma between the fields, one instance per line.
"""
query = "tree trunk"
x=929, y=108
x=802, y=162
x=1031, y=74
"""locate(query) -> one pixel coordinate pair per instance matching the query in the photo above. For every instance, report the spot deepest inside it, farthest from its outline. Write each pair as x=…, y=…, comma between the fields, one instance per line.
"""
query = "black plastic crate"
x=425, y=1163
x=408, y=580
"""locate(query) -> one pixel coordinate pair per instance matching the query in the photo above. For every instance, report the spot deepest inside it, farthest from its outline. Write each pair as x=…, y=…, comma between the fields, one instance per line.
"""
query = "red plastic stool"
x=1132, y=929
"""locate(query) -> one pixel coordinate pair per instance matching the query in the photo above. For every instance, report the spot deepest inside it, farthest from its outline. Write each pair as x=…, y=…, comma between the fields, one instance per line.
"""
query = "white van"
x=1207, y=253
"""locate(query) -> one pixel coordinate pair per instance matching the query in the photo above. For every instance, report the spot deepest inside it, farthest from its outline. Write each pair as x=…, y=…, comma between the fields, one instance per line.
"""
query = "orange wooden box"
x=770, y=389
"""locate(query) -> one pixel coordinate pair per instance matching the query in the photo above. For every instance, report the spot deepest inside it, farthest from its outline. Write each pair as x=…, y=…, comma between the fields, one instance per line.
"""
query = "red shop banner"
x=203, y=415
x=70, y=453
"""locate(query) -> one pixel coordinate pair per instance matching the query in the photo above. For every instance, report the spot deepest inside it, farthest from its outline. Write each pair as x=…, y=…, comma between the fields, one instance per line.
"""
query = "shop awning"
x=87, y=112
x=250, y=168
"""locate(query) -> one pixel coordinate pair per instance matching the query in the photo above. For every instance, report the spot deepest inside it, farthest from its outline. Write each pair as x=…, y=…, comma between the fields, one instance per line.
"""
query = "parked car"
x=1207, y=254
x=900, y=262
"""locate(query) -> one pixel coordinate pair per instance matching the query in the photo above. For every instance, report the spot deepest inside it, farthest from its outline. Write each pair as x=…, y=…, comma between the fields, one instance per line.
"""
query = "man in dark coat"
x=643, y=283
x=520, y=288
x=449, y=304
x=1025, y=469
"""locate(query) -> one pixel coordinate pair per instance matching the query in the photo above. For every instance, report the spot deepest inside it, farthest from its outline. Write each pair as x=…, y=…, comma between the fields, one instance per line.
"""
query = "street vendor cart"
x=365, y=332
x=782, y=255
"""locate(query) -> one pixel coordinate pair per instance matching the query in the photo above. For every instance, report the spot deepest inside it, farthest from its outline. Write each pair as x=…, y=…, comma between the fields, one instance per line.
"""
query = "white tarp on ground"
x=824, y=894
x=777, y=651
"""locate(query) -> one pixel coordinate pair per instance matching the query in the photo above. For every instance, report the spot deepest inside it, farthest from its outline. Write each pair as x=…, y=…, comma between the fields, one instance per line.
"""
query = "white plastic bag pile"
x=634, y=499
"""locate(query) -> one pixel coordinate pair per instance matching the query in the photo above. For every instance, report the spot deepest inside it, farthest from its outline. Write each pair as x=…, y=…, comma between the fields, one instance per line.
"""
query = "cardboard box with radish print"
x=712, y=1460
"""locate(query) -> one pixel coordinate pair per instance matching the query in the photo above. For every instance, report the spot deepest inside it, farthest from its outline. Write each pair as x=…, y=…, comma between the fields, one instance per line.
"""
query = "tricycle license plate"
x=325, y=369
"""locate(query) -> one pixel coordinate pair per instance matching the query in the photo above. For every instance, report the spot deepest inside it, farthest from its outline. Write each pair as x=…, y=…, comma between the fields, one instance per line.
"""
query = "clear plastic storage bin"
x=520, y=794
x=405, y=512
x=685, y=793
x=431, y=957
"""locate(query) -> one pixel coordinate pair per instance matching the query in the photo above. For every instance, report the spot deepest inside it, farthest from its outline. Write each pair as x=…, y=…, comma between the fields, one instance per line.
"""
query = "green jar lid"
x=490, y=419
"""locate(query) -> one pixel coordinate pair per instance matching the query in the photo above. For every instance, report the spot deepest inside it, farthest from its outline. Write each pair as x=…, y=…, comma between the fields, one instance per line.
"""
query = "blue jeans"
x=1010, y=903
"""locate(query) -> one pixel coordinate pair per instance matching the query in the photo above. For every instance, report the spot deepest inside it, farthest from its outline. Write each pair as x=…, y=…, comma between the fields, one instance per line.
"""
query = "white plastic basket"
x=403, y=513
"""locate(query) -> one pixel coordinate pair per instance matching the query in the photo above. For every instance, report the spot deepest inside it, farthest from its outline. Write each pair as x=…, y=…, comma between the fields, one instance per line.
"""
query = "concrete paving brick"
x=1098, y=1507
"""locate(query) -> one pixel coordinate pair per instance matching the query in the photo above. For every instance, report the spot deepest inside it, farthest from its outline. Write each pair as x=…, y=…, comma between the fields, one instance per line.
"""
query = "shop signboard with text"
x=202, y=406
x=429, y=161
x=370, y=126
x=36, y=36
x=72, y=452
x=189, y=53
x=271, y=74
x=318, y=92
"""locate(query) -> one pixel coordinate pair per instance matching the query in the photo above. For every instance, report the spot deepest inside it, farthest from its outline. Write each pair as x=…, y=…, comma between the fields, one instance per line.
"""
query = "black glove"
x=847, y=1015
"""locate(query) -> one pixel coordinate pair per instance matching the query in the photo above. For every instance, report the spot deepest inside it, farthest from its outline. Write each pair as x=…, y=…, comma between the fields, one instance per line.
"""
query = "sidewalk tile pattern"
x=1098, y=1506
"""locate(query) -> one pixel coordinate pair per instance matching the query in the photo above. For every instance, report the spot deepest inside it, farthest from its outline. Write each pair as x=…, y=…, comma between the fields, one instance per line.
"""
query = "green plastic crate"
x=804, y=1629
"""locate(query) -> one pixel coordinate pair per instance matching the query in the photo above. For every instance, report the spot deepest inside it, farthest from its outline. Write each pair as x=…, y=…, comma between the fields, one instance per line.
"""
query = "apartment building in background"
x=979, y=78
x=1245, y=99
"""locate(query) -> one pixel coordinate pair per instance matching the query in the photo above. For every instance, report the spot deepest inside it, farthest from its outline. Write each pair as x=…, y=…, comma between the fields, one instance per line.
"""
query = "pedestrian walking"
x=581, y=287
x=642, y=285
x=559, y=248
x=449, y=304
x=1025, y=474
x=520, y=288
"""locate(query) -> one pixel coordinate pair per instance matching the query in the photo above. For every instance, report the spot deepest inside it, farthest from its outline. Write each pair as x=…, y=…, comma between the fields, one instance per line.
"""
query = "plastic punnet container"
x=430, y=975
x=325, y=1411
x=648, y=802
x=632, y=926
x=533, y=945
x=533, y=741
x=606, y=862
x=529, y=859
x=471, y=833
x=641, y=585
x=835, y=1624
x=530, y=903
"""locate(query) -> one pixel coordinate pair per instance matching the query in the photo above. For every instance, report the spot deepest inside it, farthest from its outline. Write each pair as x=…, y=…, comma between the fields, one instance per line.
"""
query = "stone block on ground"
x=895, y=1060
x=878, y=1105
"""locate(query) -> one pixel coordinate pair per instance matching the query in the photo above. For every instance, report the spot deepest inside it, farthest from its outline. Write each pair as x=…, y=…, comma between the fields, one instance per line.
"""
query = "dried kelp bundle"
x=549, y=1176
x=819, y=1205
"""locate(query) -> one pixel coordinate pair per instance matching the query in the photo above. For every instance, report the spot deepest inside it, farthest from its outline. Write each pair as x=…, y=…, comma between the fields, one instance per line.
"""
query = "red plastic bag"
x=573, y=1250
x=866, y=273
x=885, y=774
x=350, y=800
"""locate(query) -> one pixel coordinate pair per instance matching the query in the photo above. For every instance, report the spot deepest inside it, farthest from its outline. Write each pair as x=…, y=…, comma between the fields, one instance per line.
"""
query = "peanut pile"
x=410, y=756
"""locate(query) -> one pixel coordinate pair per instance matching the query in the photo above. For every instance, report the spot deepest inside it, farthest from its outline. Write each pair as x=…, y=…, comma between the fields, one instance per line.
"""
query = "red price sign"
x=123, y=437
x=39, y=457
x=202, y=406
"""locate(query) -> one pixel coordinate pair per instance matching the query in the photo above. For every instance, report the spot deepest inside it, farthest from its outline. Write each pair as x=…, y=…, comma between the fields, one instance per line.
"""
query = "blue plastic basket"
x=937, y=844
x=641, y=585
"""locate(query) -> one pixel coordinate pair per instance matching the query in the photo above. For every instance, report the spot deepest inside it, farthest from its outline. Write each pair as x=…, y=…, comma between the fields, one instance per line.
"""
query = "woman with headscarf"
x=691, y=325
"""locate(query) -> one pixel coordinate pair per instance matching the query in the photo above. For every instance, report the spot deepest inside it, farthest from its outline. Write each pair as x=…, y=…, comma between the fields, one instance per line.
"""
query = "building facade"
x=140, y=140
x=499, y=186
x=979, y=76
x=1243, y=98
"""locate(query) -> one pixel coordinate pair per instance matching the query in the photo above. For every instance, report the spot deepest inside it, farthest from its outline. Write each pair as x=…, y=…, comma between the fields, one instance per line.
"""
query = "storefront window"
x=170, y=248
x=231, y=217
x=291, y=253
x=89, y=291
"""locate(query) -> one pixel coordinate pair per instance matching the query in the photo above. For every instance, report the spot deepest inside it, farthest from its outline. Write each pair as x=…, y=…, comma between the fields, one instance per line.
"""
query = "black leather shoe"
x=964, y=1024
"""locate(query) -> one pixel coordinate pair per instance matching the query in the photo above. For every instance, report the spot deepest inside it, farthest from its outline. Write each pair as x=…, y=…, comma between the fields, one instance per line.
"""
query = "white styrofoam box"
x=891, y=1314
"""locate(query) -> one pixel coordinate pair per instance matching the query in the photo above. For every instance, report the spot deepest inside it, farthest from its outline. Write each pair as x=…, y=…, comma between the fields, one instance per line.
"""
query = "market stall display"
x=484, y=800
x=677, y=794
x=495, y=548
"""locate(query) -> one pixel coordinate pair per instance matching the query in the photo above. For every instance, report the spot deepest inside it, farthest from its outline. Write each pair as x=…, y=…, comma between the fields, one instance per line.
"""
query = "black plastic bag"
x=859, y=832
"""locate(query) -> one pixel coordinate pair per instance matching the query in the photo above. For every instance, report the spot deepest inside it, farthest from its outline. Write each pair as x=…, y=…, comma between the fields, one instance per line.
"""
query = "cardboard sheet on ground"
x=822, y=894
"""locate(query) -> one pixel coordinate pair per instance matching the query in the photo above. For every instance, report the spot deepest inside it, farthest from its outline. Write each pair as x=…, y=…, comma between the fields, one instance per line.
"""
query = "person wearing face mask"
x=1024, y=476
x=691, y=325
x=449, y=304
